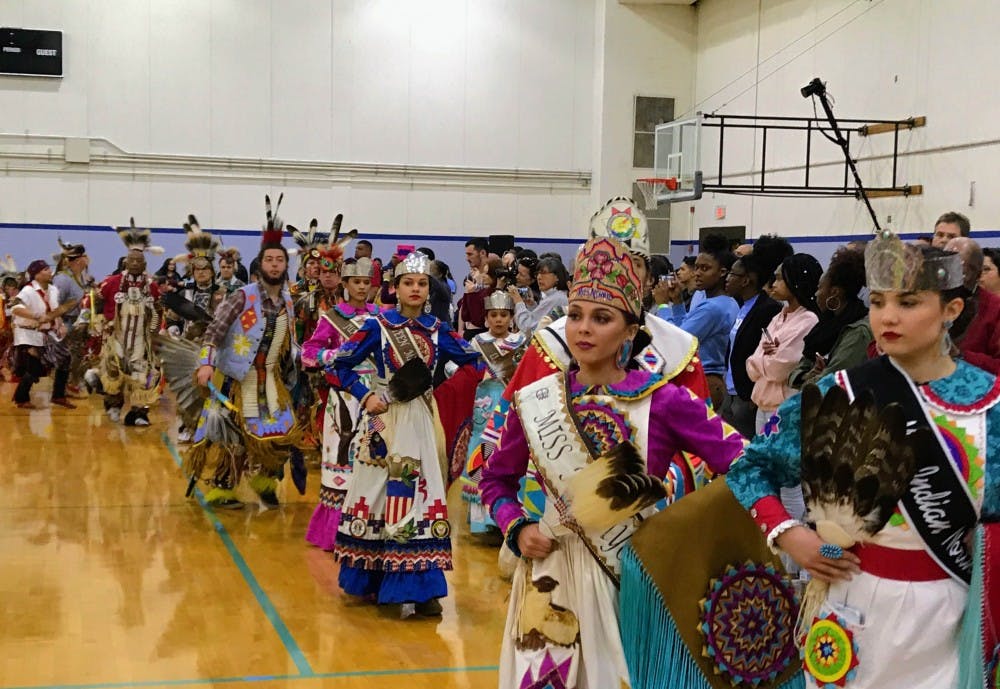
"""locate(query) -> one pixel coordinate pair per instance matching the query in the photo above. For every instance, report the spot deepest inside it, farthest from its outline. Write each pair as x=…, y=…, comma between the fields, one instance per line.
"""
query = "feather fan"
x=612, y=488
x=411, y=381
x=180, y=363
x=857, y=463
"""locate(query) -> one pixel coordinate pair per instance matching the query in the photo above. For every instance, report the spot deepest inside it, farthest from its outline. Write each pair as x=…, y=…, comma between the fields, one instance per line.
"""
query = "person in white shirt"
x=38, y=317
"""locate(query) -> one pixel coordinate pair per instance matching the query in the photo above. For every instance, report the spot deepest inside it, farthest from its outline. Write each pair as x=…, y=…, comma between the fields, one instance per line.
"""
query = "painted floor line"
x=266, y=678
x=291, y=645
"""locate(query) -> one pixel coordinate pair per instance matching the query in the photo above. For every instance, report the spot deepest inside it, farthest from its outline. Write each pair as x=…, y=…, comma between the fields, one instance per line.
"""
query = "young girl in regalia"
x=342, y=410
x=903, y=548
x=604, y=464
x=501, y=350
x=394, y=541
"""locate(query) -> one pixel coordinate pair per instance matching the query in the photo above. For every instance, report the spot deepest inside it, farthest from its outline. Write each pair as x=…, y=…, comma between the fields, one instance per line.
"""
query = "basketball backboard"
x=677, y=160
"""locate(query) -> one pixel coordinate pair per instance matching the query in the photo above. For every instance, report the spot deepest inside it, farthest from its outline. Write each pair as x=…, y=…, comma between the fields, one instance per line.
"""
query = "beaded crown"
x=891, y=265
x=605, y=274
x=621, y=219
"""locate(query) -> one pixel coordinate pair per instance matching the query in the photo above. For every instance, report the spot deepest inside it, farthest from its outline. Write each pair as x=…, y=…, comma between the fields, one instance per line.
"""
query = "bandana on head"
x=35, y=267
x=605, y=274
x=891, y=265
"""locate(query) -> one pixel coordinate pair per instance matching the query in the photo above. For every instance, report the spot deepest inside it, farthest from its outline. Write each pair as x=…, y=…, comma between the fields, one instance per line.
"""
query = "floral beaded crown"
x=605, y=274
x=891, y=265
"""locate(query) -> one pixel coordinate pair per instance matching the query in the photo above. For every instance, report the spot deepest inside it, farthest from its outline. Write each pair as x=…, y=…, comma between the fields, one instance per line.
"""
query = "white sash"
x=559, y=450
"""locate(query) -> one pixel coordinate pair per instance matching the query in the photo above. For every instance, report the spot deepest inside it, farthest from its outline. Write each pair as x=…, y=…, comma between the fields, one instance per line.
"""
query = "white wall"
x=646, y=50
x=466, y=83
x=883, y=59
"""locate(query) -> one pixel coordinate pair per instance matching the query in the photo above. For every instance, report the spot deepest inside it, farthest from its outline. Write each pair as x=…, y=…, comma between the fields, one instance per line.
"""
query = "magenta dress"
x=562, y=623
x=341, y=411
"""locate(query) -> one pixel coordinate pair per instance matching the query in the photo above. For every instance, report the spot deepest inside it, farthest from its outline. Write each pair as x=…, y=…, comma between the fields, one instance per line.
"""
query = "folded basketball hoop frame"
x=812, y=127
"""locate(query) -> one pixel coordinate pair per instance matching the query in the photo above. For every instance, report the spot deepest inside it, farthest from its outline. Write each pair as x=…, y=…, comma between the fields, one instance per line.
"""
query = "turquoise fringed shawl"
x=656, y=655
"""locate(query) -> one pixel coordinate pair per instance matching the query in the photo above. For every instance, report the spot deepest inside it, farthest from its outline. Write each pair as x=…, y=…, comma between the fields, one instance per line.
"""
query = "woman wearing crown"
x=394, y=541
x=341, y=409
x=900, y=465
x=604, y=467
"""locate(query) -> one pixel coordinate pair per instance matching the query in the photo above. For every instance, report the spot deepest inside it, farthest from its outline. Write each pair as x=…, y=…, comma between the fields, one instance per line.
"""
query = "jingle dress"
x=394, y=539
x=340, y=413
x=911, y=624
x=562, y=622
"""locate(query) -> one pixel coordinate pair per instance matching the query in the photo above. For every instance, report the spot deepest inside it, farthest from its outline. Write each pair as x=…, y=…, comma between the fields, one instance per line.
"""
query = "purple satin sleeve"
x=680, y=420
x=320, y=349
x=502, y=474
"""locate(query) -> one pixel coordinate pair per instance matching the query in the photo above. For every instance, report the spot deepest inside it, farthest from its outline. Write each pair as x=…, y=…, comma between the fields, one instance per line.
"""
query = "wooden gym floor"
x=110, y=578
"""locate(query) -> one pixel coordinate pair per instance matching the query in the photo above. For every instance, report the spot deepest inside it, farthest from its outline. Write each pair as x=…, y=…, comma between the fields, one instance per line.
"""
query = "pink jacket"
x=770, y=371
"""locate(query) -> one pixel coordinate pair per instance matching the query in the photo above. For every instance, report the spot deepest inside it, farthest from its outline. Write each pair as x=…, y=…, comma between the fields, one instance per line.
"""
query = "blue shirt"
x=710, y=321
x=744, y=310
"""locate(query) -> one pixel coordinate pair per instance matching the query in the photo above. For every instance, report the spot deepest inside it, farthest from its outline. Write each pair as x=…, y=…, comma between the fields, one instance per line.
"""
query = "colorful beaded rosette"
x=748, y=621
x=830, y=653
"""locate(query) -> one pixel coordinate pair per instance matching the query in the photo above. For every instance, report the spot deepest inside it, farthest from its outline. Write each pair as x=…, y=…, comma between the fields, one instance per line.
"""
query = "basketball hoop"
x=652, y=187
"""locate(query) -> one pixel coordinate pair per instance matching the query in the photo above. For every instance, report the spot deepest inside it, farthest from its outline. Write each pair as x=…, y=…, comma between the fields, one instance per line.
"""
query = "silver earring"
x=427, y=306
x=946, y=341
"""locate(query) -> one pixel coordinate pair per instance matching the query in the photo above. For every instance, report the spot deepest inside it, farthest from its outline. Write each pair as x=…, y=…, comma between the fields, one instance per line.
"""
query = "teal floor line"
x=289, y=642
x=265, y=678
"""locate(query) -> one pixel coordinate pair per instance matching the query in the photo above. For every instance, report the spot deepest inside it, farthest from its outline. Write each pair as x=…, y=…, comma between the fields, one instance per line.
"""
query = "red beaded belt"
x=897, y=564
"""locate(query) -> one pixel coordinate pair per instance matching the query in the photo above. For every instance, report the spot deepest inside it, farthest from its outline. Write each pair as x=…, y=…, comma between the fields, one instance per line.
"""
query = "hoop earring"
x=830, y=307
x=624, y=354
x=946, y=342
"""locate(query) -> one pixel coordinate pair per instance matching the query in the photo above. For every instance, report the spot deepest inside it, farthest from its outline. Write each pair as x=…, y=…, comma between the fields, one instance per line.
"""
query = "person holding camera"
x=553, y=281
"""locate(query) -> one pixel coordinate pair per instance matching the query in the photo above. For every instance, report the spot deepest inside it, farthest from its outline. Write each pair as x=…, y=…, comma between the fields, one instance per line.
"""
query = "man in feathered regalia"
x=247, y=426
x=131, y=316
x=200, y=293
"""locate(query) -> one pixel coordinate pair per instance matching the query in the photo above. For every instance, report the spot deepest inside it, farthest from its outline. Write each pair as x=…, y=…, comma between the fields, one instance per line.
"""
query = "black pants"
x=31, y=369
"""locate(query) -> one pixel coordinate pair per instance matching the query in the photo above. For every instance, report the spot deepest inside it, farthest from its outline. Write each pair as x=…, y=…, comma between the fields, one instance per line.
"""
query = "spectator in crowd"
x=661, y=270
x=841, y=338
x=745, y=283
x=781, y=345
x=440, y=295
x=166, y=275
x=686, y=277
x=524, y=281
x=712, y=318
x=363, y=249
x=471, y=307
x=990, y=278
x=948, y=227
x=980, y=345
x=476, y=255
x=553, y=282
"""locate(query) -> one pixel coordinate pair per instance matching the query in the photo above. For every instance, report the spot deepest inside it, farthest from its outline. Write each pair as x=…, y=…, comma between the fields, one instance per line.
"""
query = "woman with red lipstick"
x=899, y=608
x=589, y=432
x=394, y=538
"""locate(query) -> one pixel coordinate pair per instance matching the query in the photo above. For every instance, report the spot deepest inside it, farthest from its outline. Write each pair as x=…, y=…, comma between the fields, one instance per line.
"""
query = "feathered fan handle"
x=612, y=488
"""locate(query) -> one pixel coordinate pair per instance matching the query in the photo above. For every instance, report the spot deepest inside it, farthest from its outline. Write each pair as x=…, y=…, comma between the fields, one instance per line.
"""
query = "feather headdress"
x=273, y=230
x=9, y=271
x=137, y=239
x=332, y=255
x=199, y=244
x=230, y=253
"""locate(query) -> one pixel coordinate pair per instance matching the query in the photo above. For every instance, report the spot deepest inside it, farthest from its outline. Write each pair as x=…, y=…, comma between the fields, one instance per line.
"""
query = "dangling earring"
x=427, y=306
x=833, y=308
x=624, y=355
x=946, y=342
